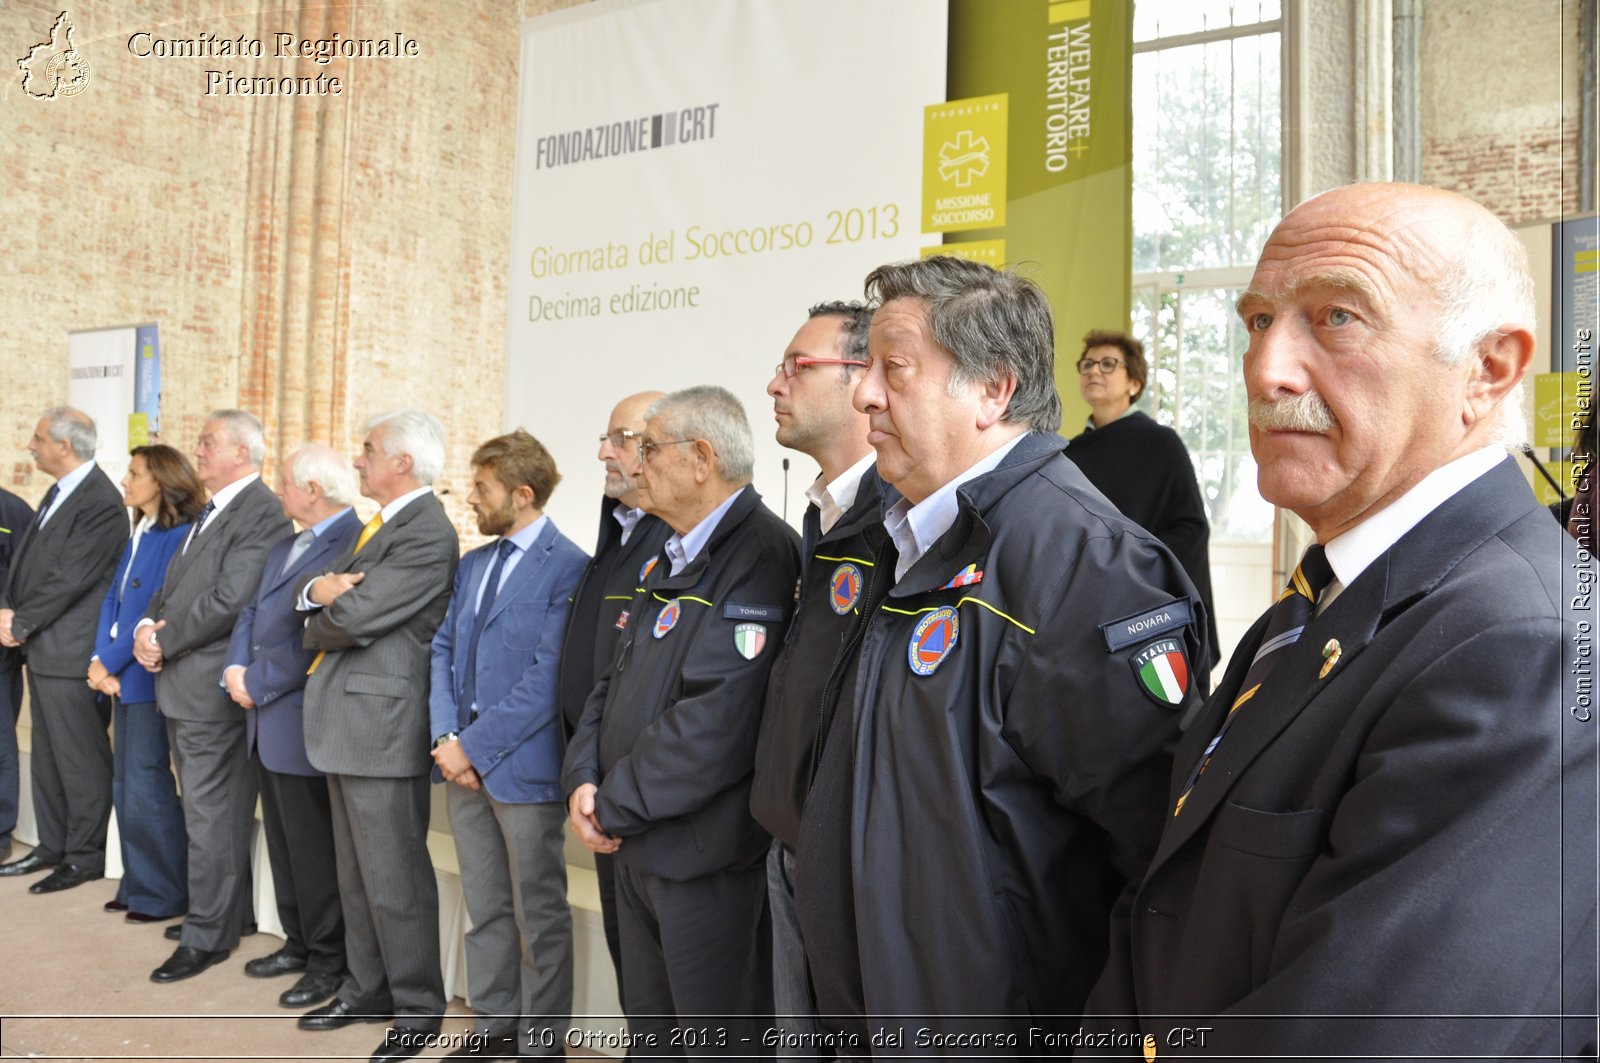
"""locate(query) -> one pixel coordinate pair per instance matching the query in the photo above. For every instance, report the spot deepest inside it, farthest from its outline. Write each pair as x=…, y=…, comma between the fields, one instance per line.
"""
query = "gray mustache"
x=1305, y=412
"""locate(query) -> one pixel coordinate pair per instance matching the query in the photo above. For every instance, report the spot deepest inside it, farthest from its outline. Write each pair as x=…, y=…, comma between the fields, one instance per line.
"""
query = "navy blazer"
x=267, y=640
x=515, y=743
x=124, y=606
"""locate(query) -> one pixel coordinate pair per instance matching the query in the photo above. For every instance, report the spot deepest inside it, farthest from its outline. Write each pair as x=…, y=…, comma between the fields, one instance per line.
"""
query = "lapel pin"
x=1330, y=657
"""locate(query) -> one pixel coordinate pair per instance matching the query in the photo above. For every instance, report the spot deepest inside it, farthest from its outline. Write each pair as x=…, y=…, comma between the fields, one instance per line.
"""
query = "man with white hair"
x=61, y=565
x=658, y=771
x=266, y=675
x=371, y=620
x=184, y=639
x=1380, y=840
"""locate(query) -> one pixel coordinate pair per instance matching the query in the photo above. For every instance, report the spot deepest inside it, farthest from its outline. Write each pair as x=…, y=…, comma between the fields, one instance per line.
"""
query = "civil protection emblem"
x=933, y=639
x=844, y=588
x=1162, y=669
x=667, y=618
x=749, y=639
x=648, y=565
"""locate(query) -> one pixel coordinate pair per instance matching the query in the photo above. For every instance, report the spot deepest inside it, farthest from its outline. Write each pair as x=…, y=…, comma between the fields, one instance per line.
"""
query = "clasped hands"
x=585, y=824
x=454, y=765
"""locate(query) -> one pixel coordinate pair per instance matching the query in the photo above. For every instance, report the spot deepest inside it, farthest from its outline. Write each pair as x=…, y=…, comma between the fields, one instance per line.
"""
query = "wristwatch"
x=442, y=739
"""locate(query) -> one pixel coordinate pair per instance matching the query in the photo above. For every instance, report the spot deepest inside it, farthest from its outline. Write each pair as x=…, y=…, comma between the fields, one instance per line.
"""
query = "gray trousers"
x=219, y=808
x=791, y=981
x=71, y=769
x=519, y=950
x=390, y=898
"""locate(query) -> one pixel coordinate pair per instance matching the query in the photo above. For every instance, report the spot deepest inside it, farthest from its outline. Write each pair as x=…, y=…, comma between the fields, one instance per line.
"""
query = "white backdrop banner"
x=100, y=366
x=691, y=176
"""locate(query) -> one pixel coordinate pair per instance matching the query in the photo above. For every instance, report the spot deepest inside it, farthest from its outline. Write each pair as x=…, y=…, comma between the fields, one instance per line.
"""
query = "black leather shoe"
x=175, y=933
x=311, y=989
x=64, y=878
x=336, y=1016
x=502, y=1046
x=140, y=917
x=27, y=865
x=186, y=963
x=401, y=1043
x=275, y=963
x=114, y=905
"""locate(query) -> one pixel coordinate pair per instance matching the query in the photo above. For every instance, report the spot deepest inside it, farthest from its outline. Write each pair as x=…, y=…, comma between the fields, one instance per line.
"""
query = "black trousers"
x=298, y=820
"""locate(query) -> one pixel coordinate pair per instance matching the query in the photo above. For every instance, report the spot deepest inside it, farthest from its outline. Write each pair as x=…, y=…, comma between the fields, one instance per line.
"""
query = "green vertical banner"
x=1029, y=162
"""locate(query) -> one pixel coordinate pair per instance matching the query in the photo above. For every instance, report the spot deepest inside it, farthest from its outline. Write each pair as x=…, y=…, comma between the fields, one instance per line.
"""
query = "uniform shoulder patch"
x=1162, y=671
x=1142, y=627
x=743, y=611
x=667, y=619
x=749, y=640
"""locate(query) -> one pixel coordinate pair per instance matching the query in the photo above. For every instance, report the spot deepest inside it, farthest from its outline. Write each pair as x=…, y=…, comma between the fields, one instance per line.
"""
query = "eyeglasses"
x=1105, y=365
x=792, y=365
x=620, y=437
x=647, y=446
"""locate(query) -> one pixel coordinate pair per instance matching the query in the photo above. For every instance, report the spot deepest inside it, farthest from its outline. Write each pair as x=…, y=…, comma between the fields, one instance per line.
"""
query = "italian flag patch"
x=1162, y=669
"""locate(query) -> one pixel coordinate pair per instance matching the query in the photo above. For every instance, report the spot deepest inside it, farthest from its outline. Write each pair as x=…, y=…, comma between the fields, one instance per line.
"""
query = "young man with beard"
x=497, y=742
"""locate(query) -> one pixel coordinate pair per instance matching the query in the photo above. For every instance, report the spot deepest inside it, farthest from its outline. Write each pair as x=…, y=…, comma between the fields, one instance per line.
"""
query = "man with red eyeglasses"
x=811, y=392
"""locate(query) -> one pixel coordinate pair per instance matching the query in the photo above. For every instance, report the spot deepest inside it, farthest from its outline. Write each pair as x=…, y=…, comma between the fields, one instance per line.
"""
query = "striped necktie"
x=1290, y=615
x=368, y=530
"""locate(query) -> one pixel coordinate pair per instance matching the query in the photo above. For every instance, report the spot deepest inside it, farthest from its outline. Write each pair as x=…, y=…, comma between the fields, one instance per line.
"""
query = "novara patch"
x=1152, y=623
x=1162, y=671
x=749, y=639
x=844, y=588
x=667, y=619
x=932, y=639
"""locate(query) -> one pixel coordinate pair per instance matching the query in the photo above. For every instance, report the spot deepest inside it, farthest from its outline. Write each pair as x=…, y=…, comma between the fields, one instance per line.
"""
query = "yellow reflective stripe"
x=852, y=560
x=960, y=602
x=615, y=598
x=682, y=598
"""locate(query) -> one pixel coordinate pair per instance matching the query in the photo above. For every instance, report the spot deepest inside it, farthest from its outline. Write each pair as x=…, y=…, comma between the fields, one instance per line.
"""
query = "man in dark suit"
x=15, y=516
x=811, y=389
x=497, y=741
x=371, y=618
x=266, y=674
x=49, y=606
x=1381, y=836
x=658, y=771
x=184, y=639
x=629, y=537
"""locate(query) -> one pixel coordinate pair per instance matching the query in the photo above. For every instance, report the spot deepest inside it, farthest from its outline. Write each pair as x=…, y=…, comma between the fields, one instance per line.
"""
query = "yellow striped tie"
x=367, y=532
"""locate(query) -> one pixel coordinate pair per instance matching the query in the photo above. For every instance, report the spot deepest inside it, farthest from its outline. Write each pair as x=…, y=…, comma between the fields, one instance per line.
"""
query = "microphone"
x=786, y=490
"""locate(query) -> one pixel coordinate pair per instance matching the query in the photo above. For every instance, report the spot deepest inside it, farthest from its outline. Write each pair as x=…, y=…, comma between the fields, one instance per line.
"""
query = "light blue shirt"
x=523, y=541
x=915, y=528
x=64, y=487
x=628, y=518
x=682, y=549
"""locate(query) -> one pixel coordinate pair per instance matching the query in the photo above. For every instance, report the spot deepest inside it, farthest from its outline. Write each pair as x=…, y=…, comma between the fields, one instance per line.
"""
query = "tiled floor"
x=75, y=984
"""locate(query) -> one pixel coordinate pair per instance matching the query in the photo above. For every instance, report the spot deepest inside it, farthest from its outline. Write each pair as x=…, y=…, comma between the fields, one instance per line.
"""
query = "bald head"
x=1390, y=327
x=619, y=452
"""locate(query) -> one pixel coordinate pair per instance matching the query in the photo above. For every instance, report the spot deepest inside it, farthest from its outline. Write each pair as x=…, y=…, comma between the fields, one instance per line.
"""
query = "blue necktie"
x=469, y=685
x=199, y=523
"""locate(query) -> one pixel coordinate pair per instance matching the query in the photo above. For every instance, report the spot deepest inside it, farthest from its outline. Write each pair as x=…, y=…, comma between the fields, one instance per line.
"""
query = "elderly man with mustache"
x=1381, y=835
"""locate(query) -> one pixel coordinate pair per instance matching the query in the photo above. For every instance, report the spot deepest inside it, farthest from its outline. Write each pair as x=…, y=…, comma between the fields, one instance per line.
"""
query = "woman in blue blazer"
x=162, y=491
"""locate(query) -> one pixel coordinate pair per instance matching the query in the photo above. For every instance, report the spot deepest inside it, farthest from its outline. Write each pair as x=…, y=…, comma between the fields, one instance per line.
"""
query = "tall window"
x=1207, y=189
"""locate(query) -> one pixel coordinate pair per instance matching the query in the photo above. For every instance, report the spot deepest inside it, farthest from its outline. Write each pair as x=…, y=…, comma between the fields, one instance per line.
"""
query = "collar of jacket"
x=867, y=509
x=731, y=522
x=968, y=538
x=611, y=532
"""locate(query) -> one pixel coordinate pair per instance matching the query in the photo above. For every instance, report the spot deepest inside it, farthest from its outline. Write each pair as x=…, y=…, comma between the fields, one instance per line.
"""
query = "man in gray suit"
x=184, y=639
x=372, y=618
x=49, y=606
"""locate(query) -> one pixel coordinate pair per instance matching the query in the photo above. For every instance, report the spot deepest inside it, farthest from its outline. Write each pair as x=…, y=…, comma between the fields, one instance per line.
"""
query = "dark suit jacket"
x=269, y=640
x=515, y=742
x=1411, y=834
x=125, y=603
x=206, y=587
x=366, y=706
x=15, y=516
x=59, y=574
